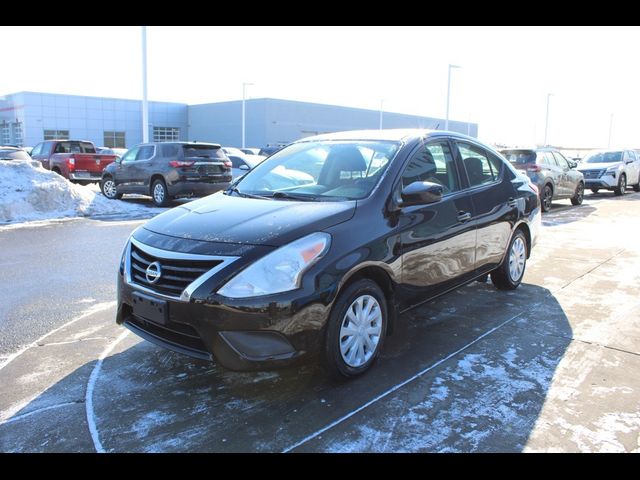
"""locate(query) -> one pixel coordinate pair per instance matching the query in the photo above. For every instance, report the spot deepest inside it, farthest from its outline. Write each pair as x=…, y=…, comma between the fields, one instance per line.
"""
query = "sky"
x=503, y=84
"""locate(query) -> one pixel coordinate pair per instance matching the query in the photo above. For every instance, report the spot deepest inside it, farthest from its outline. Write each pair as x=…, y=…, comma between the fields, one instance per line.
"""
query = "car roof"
x=392, y=134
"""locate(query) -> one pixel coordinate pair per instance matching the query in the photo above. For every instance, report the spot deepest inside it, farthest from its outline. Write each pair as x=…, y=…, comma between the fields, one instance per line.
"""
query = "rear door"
x=438, y=240
x=570, y=177
x=494, y=202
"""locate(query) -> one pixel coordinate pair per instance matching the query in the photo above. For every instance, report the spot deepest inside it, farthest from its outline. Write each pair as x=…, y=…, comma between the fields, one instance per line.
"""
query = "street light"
x=145, y=103
x=546, y=122
x=244, y=84
x=446, y=120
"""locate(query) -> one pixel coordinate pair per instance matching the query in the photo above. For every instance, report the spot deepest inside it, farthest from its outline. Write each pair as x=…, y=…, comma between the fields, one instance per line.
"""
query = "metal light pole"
x=610, y=130
x=145, y=103
x=381, y=102
x=244, y=84
x=546, y=122
x=446, y=120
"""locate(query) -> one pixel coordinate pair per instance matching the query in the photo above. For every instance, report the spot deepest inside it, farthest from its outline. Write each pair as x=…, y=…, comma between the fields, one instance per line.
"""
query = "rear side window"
x=477, y=165
x=170, y=150
x=203, y=151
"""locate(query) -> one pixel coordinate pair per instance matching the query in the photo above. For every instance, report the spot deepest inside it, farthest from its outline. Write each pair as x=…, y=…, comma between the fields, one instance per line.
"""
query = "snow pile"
x=29, y=192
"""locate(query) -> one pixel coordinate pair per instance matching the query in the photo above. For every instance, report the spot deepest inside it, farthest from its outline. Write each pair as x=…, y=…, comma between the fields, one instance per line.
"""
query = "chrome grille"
x=175, y=276
x=592, y=173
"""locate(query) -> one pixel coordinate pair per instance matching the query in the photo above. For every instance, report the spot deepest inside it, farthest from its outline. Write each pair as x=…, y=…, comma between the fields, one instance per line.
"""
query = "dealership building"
x=27, y=118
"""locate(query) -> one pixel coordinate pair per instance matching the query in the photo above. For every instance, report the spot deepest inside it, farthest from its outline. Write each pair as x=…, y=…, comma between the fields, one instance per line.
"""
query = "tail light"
x=227, y=163
x=71, y=162
x=534, y=168
x=534, y=187
x=180, y=163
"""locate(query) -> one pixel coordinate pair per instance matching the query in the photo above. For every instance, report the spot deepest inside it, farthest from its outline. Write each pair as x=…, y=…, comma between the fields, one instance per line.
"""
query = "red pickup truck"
x=73, y=159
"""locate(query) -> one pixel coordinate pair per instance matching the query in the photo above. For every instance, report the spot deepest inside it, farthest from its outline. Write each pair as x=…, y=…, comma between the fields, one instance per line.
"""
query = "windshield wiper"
x=234, y=189
x=294, y=196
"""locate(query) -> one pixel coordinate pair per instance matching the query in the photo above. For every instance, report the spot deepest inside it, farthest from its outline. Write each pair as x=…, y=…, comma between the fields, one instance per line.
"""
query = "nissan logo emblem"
x=153, y=272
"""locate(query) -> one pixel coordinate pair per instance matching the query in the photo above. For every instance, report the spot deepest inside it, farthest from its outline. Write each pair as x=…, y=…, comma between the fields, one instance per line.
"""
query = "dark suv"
x=166, y=170
x=275, y=271
x=554, y=175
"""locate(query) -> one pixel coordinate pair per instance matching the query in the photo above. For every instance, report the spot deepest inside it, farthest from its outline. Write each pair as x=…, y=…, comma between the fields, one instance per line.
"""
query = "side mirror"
x=421, y=193
x=628, y=161
x=118, y=159
x=572, y=164
x=244, y=167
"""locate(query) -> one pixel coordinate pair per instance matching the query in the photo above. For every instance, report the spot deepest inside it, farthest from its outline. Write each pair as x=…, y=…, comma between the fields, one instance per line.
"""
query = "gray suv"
x=549, y=170
x=166, y=170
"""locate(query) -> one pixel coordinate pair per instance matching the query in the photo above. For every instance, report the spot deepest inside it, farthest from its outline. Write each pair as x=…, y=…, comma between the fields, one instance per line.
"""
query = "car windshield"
x=603, y=157
x=323, y=170
x=202, y=151
x=519, y=157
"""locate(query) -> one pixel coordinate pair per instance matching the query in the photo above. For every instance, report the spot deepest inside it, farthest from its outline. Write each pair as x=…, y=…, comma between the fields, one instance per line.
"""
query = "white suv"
x=611, y=170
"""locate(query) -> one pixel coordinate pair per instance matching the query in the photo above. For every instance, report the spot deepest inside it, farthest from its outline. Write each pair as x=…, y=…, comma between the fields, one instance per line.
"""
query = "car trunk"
x=520, y=159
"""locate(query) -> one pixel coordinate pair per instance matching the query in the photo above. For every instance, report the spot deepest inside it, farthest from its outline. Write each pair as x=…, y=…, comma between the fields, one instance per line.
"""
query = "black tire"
x=578, y=195
x=546, y=197
x=109, y=190
x=621, y=189
x=56, y=170
x=636, y=187
x=595, y=190
x=333, y=359
x=501, y=276
x=159, y=193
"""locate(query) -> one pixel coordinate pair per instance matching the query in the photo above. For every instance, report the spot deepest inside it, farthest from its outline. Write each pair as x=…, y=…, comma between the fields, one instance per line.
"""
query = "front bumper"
x=606, y=182
x=240, y=334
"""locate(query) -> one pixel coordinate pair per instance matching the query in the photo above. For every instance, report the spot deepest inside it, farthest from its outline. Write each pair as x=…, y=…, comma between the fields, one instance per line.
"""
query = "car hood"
x=231, y=219
x=597, y=166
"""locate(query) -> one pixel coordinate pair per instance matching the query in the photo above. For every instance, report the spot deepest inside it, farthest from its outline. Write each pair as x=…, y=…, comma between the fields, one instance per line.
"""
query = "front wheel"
x=356, y=330
x=636, y=187
x=510, y=272
x=578, y=196
x=108, y=187
x=159, y=193
x=622, y=185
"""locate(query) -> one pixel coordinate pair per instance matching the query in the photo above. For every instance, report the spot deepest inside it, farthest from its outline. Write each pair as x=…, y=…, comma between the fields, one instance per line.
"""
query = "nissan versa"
x=265, y=274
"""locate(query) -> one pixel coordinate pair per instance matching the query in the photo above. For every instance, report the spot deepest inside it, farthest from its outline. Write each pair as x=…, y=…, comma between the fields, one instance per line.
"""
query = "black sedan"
x=259, y=276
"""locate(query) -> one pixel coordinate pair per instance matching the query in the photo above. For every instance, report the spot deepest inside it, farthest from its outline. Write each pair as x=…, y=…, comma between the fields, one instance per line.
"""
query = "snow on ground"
x=29, y=192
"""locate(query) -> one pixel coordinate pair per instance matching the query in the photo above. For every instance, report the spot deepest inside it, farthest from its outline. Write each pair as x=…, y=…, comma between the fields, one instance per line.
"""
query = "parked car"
x=167, y=170
x=250, y=151
x=118, y=152
x=242, y=164
x=13, y=153
x=549, y=170
x=611, y=170
x=75, y=160
x=270, y=150
x=258, y=277
x=233, y=151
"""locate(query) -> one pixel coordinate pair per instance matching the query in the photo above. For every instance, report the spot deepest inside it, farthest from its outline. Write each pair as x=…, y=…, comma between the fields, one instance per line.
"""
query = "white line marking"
x=91, y=418
x=94, y=309
x=396, y=387
x=40, y=410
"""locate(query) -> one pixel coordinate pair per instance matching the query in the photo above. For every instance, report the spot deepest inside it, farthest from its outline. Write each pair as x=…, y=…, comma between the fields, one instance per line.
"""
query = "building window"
x=17, y=133
x=56, y=135
x=114, y=139
x=5, y=134
x=166, y=134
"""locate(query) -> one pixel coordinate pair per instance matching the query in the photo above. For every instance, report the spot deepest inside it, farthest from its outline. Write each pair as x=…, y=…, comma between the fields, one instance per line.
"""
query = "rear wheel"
x=356, y=329
x=547, y=198
x=578, y=196
x=510, y=272
x=159, y=193
x=108, y=187
x=622, y=185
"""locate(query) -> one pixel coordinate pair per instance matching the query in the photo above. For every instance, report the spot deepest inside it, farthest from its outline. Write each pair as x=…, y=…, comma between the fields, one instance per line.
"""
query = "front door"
x=438, y=240
x=124, y=170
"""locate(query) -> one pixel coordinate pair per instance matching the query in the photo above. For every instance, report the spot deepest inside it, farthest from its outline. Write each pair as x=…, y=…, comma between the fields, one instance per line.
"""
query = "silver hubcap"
x=360, y=331
x=109, y=188
x=623, y=184
x=517, y=257
x=158, y=193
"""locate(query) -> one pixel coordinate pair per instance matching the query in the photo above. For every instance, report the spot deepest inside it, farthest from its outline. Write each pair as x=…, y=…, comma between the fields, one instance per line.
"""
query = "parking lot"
x=551, y=366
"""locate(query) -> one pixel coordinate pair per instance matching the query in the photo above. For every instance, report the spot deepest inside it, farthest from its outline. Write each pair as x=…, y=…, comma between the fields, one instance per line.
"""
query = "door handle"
x=464, y=216
x=512, y=202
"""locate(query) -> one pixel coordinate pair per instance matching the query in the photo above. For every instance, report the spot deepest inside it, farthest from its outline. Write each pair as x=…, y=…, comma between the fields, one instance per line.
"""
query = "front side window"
x=145, y=152
x=562, y=162
x=130, y=156
x=432, y=163
x=476, y=164
x=322, y=170
x=37, y=150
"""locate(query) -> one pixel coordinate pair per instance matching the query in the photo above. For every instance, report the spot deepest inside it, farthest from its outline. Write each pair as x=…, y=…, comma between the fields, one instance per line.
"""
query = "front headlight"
x=279, y=271
x=613, y=169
